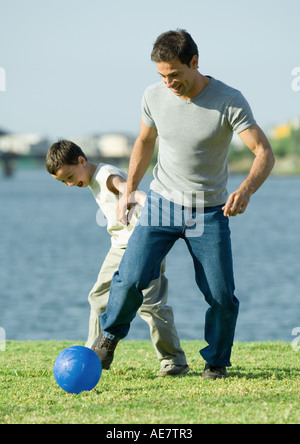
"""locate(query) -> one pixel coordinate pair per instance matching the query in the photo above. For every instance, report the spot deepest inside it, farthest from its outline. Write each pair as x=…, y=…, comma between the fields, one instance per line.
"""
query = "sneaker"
x=104, y=349
x=211, y=372
x=173, y=370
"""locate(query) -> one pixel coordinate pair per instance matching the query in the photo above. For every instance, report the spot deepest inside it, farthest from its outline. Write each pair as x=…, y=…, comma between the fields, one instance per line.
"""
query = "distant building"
x=285, y=130
x=23, y=144
x=115, y=145
x=282, y=131
x=106, y=145
x=89, y=145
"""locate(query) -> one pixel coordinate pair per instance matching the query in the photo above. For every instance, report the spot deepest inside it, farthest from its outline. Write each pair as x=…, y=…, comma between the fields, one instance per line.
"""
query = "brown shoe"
x=211, y=372
x=104, y=349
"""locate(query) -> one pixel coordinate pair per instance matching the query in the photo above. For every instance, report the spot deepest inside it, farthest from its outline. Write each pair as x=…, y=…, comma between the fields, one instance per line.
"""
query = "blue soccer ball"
x=77, y=369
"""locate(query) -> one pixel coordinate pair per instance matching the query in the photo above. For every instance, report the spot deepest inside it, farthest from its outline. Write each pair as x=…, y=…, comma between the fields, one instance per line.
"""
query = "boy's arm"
x=117, y=185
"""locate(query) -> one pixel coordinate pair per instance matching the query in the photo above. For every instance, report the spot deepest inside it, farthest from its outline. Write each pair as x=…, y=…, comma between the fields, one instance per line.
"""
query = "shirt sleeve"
x=240, y=115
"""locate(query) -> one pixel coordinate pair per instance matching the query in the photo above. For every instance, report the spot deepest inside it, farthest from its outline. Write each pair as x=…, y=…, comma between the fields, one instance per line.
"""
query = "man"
x=194, y=116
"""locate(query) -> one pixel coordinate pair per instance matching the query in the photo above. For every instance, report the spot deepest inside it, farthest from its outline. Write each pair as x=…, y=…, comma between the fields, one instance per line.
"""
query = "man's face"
x=74, y=175
x=178, y=77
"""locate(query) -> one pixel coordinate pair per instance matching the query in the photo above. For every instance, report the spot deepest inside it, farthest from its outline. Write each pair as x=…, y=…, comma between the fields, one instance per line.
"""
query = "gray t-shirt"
x=194, y=138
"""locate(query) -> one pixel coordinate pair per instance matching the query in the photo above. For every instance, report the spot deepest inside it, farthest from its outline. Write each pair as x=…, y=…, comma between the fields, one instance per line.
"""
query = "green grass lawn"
x=263, y=387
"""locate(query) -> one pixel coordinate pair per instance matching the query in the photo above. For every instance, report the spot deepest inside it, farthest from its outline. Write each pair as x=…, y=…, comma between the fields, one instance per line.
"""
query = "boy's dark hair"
x=172, y=44
x=63, y=152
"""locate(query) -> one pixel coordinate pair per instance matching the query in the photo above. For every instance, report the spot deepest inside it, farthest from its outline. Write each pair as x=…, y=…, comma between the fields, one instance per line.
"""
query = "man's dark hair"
x=172, y=44
x=63, y=152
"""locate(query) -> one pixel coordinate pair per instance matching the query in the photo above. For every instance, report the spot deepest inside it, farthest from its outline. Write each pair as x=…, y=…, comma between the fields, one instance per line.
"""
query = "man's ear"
x=81, y=161
x=194, y=62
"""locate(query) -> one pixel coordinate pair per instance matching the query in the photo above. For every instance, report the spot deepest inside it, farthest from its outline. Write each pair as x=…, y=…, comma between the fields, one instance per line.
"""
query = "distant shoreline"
x=284, y=166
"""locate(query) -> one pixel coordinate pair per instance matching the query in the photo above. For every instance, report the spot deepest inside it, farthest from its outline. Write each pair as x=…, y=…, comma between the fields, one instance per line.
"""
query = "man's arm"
x=117, y=185
x=255, y=139
x=139, y=161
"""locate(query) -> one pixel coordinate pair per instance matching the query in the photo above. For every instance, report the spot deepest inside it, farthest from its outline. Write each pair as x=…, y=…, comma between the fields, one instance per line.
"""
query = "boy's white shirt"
x=108, y=202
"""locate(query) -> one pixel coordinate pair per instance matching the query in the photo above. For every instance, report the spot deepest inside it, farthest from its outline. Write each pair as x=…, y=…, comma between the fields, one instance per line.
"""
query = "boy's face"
x=74, y=175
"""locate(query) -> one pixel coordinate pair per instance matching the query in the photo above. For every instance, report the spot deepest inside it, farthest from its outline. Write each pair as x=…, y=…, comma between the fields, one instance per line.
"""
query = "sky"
x=75, y=68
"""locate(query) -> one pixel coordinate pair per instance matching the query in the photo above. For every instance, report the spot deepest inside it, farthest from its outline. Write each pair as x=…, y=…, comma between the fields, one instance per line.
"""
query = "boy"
x=67, y=163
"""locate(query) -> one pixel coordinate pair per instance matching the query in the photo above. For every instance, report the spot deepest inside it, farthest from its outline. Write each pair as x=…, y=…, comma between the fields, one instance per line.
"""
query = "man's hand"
x=124, y=209
x=117, y=185
x=126, y=205
x=236, y=203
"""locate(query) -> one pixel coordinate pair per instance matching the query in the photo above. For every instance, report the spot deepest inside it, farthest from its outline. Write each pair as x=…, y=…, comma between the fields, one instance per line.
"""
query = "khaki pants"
x=154, y=311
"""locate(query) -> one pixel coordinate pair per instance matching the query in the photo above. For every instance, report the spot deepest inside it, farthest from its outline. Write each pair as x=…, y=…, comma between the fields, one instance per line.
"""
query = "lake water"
x=51, y=250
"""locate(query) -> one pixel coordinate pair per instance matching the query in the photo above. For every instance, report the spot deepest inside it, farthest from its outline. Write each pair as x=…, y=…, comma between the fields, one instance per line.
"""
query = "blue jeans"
x=209, y=244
